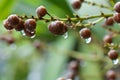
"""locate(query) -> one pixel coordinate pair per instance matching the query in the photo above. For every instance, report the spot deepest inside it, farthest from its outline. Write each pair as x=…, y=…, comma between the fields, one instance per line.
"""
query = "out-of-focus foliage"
x=21, y=60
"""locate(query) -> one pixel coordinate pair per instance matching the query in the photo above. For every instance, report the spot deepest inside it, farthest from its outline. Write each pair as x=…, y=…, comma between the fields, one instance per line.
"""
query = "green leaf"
x=5, y=8
x=60, y=4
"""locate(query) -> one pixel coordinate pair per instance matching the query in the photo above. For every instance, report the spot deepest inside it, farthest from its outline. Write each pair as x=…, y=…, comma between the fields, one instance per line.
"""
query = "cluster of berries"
x=59, y=27
x=14, y=22
x=86, y=33
x=112, y=54
x=116, y=17
x=28, y=26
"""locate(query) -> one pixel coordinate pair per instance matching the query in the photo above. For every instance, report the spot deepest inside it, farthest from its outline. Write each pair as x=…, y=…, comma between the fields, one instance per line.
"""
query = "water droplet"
x=115, y=61
x=65, y=35
x=22, y=32
x=88, y=40
x=32, y=32
x=33, y=36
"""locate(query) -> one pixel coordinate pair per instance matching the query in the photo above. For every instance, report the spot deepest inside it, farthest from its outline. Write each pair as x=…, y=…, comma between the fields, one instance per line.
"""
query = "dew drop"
x=115, y=61
x=65, y=35
x=33, y=36
x=32, y=32
x=22, y=32
x=88, y=40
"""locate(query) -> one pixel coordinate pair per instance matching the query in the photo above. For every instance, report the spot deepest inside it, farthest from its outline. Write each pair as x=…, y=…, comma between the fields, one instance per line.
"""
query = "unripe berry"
x=30, y=25
x=85, y=33
x=41, y=11
x=13, y=19
x=7, y=25
x=111, y=75
x=20, y=26
x=117, y=7
x=117, y=17
x=113, y=54
x=76, y=4
x=107, y=39
x=109, y=21
x=57, y=27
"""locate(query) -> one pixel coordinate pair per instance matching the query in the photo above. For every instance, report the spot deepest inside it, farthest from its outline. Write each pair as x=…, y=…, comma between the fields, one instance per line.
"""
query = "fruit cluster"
x=28, y=26
x=15, y=22
x=59, y=26
x=116, y=17
x=112, y=54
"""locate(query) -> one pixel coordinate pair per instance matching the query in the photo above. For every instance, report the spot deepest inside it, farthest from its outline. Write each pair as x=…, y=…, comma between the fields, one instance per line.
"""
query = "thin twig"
x=99, y=5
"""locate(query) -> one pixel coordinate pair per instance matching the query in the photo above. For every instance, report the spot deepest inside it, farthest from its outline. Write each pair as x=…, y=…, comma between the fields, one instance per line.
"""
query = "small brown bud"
x=41, y=11
x=113, y=54
x=85, y=33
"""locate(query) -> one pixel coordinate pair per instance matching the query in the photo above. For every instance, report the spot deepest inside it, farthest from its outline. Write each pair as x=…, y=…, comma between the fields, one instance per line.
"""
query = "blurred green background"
x=22, y=61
